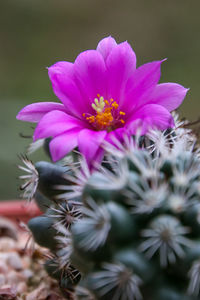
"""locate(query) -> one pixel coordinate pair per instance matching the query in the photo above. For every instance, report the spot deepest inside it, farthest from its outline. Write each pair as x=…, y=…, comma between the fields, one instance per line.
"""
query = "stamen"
x=91, y=119
x=122, y=113
x=106, y=117
x=115, y=105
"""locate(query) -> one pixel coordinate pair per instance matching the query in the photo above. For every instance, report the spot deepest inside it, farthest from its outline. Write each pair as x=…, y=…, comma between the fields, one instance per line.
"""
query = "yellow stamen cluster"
x=104, y=118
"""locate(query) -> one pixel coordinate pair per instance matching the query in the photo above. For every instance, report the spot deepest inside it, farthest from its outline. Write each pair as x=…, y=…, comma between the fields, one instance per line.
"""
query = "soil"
x=22, y=276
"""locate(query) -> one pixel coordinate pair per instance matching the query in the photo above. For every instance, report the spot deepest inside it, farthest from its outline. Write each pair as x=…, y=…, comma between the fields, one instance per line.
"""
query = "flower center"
x=106, y=116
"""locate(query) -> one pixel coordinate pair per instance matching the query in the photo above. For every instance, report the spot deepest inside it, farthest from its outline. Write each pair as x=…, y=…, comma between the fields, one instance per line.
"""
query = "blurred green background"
x=36, y=33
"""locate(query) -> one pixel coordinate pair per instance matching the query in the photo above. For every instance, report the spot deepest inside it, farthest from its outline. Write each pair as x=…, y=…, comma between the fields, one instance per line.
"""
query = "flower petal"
x=170, y=95
x=64, y=86
x=63, y=144
x=121, y=64
x=54, y=123
x=114, y=135
x=89, y=142
x=150, y=116
x=140, y=85
x=34, y=112
x=105, y=46
x=90, y=76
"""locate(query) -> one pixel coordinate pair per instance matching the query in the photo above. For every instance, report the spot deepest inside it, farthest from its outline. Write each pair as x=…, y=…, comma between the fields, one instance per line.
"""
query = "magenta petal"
x=63, y=144
x=116, y=135
x=89, y=142
x=54, y=123
x=170, y=95
x=34, y=112
x=62, y=77
x=105, y=46
x=150, y=116
x=140, y=85
x=121, y=64
x=90, y=75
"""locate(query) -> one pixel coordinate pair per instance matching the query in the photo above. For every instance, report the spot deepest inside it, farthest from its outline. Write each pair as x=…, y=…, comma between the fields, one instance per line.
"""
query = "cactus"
x=128, y=229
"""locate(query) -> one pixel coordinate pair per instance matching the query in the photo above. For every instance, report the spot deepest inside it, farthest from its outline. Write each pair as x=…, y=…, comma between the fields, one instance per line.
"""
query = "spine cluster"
x=128, y=230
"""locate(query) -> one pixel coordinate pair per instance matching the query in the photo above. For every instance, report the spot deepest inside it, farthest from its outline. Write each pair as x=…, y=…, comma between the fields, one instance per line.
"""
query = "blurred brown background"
x=36, y=33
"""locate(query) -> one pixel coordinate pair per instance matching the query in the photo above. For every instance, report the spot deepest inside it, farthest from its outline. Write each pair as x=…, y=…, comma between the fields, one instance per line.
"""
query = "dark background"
x=35, y=34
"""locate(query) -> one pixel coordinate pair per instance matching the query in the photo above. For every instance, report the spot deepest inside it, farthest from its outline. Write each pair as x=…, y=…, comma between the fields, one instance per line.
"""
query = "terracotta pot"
x=19, y=210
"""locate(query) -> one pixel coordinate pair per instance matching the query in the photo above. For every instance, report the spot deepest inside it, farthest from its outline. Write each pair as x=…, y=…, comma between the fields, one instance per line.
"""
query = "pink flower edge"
x=102, y=93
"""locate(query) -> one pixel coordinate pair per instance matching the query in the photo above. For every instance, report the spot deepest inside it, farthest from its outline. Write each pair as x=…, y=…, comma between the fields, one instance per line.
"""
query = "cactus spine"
x=129, y=230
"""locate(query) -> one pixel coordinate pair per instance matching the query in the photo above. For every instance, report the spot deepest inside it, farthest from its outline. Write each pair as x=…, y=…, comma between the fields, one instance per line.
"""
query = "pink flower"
x=103, y=95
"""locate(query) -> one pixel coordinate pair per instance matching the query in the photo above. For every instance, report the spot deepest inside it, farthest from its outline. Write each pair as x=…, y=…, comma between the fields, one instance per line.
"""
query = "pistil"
x=106, y=117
